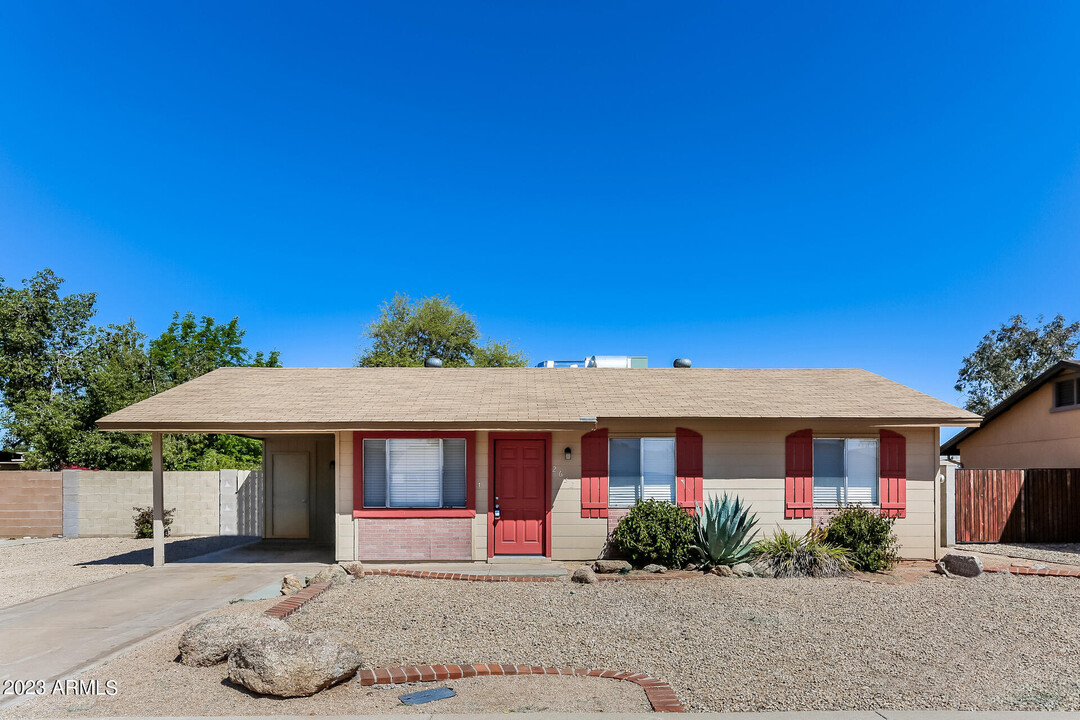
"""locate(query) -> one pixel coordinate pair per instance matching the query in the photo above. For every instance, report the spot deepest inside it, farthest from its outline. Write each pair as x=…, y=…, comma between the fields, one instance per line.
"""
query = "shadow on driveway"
x=177, y=549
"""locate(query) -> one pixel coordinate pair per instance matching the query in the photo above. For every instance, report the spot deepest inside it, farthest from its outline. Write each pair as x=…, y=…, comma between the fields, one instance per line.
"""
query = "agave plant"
x=723, y=532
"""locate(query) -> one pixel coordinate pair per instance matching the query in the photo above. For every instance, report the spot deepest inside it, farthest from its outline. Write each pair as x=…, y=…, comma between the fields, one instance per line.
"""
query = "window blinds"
x=415, y=472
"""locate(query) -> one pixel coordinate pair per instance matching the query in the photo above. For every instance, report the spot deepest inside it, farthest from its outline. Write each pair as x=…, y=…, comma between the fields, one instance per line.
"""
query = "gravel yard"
x=38, y=569
x=994, y=642
x=1064, y=553
x=151, y=682
x=997, y=642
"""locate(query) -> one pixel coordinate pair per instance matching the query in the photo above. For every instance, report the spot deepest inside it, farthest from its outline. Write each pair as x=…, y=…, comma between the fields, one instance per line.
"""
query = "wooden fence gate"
x=1036, y=505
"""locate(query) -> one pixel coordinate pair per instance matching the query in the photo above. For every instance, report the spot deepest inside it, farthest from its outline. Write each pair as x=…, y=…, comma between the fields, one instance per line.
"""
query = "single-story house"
x=411, y=464
x=1038, y=426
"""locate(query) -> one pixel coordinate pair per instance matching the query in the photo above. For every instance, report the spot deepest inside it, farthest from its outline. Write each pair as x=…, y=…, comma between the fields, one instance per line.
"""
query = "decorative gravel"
x=38, y=569
x=992, y=643
x=150, y=681
x=1064, y=553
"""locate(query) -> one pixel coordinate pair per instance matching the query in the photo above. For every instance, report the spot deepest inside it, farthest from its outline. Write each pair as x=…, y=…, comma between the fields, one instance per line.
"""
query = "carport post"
x=159, y=499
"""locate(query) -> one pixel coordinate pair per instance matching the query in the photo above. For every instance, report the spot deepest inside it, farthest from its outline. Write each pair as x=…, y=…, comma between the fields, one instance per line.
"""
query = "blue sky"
x=745, y=184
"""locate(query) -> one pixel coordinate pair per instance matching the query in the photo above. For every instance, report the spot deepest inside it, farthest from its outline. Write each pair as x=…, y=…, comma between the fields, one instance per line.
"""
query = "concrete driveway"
x=56, y=636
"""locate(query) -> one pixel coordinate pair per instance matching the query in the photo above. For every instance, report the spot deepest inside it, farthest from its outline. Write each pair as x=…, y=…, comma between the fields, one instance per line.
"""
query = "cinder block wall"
x=31, y=503
x=102, y=504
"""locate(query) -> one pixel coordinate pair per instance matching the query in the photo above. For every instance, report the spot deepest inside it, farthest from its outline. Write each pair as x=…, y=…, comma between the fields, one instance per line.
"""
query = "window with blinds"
x=414, y=473
x=845, y=472
x=640, y=469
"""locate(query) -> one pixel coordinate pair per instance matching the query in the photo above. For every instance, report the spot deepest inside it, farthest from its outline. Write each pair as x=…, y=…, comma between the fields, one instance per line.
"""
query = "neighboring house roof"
x=328, y=398
x=952, y=447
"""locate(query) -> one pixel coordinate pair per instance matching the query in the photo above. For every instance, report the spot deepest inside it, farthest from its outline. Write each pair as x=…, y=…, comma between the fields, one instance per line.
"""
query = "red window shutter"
x=893, y=474
x=799, y=475
x=689, y=468
x=594, y=474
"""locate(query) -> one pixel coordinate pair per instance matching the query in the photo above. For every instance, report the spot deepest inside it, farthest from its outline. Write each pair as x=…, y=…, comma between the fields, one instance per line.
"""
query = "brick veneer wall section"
x=31, y=503
x=414, y=539
x=613, y=518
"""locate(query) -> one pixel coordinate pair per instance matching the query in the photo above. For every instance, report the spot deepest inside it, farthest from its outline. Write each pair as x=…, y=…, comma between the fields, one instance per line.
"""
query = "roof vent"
x=433, y=362
x=681, y=363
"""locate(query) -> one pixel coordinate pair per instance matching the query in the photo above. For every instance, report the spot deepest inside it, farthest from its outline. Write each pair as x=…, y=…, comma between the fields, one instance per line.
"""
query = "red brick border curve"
x=659, y=693
x=1036, y=571
x=292, y=603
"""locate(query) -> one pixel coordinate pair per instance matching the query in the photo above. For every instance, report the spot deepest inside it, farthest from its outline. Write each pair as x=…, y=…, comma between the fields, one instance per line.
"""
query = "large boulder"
x=608, y=567
x=585, y=575
x=962, y=565
x=354, y=568
x=332, y=574
x=292, y=665
x=291, y=584
x=743, y=570
x=210, y=641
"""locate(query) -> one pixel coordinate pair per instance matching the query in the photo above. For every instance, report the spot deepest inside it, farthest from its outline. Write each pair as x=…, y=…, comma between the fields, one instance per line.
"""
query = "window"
x=640, y=468
x=414, y=473
x=845, y=472
x=1066, y=393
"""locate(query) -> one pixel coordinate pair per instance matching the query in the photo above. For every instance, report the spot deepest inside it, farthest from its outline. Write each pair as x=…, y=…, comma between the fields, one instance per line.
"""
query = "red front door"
x=520, y=474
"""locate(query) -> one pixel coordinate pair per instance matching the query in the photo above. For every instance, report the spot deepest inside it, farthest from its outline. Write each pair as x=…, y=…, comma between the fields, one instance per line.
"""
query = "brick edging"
x=659, y=693
x=430, y=575
x=292, y=603
x=1035, y=571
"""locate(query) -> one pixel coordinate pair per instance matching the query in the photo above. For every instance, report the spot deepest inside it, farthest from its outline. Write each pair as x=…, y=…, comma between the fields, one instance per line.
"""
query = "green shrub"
x=722, y=532
x=789, y=555
x=868, y=537
x=654, y=531
x=144, y=521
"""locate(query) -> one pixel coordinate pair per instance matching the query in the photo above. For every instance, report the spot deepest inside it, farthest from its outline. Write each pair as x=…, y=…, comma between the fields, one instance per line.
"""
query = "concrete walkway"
x=55, y=636
x=546, y=568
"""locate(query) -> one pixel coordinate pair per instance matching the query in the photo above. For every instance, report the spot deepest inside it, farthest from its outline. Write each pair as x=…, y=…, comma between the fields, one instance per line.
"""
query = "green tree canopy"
x=407, y=332
x=1012, y=356
x=59, y=374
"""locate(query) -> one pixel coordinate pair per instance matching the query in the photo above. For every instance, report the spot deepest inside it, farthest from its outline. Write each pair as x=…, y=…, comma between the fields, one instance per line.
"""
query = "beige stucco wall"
x=745, y=457
x=106, y=499
x=1028, y=435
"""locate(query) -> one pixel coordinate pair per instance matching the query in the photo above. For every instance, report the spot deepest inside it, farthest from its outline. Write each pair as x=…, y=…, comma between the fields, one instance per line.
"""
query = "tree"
x=59, y=374
x=1012, y=356
x=407, y=332
x=186, y=350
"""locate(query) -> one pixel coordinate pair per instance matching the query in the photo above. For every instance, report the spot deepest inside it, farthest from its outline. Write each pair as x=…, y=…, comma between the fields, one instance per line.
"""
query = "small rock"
x=355, y=568
x=764, y=570
x=962, y=565
x=332, y=574
x=654, y=568
x=743, y=570
x=210, y=641
x=943, y=570
x=608, y=567
x=722, y=571
x=690, y=567
x=291, y=584
x=584, y=574
x=292, y=665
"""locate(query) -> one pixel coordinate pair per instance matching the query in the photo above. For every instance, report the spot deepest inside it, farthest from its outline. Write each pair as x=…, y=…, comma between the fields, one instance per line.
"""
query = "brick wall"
x=31, y=503
x=414, y=539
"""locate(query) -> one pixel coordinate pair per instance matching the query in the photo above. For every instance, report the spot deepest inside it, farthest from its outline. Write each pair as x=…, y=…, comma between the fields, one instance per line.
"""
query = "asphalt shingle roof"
x=264, y=398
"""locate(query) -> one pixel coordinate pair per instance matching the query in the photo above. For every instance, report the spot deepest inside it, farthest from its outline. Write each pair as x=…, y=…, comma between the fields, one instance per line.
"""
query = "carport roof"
x=269, y=399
